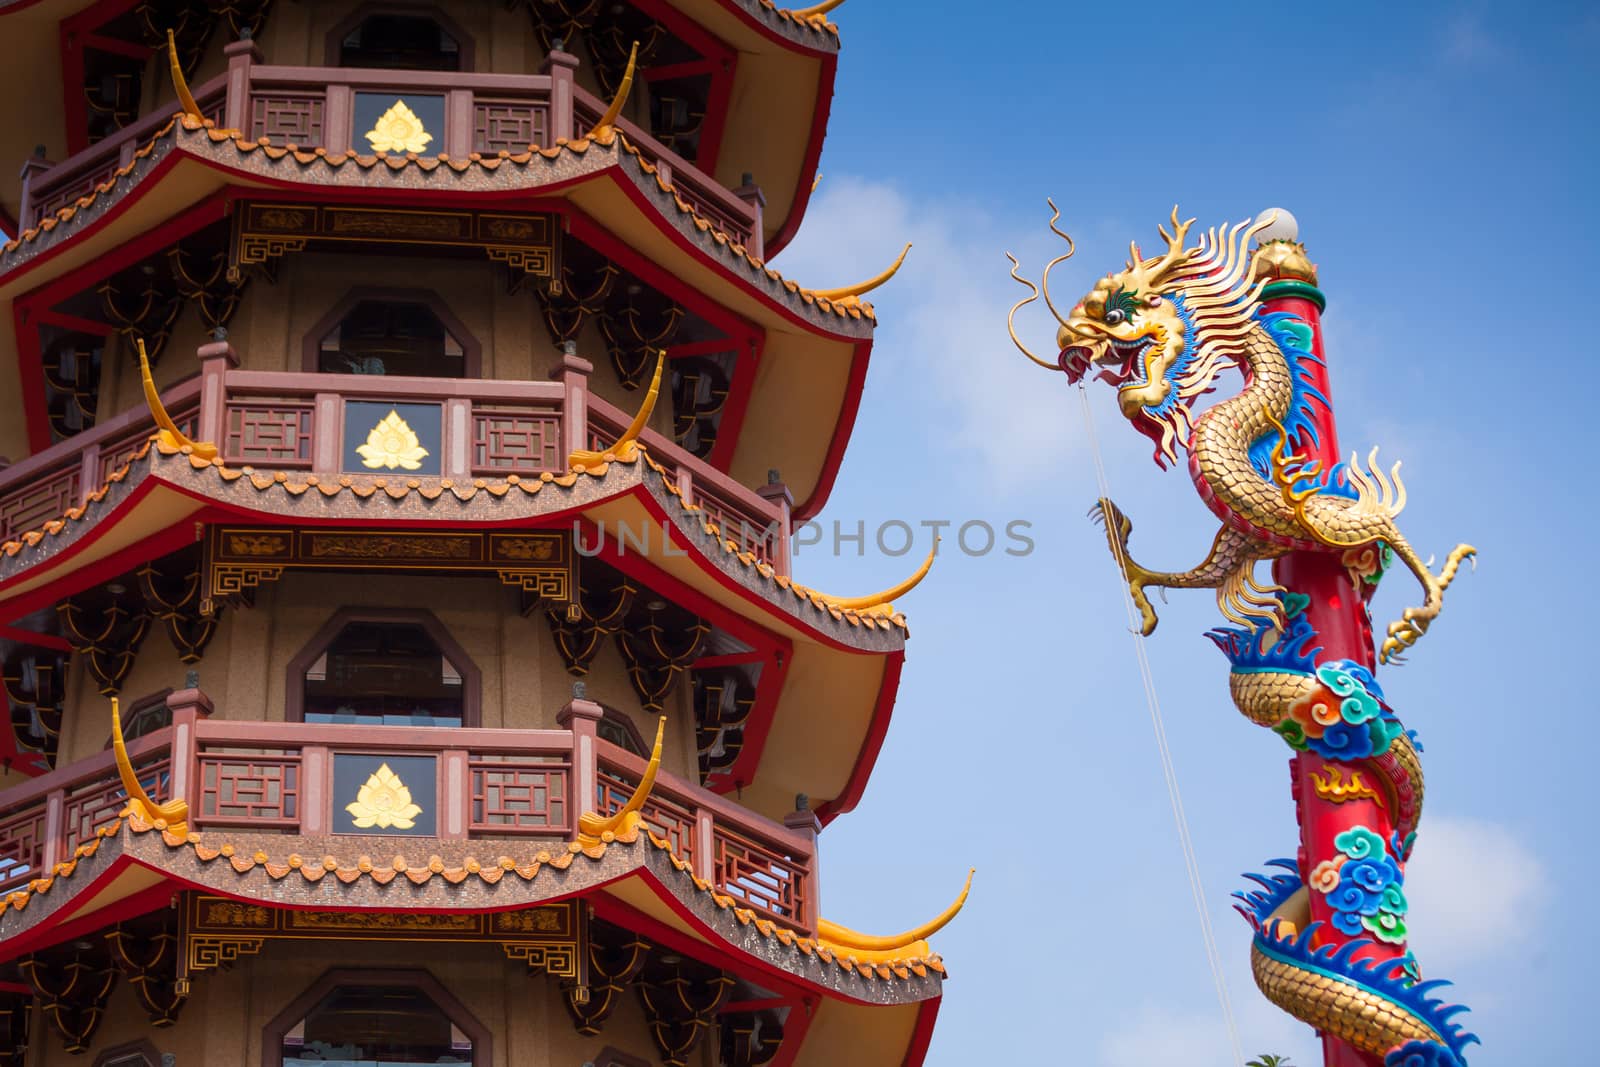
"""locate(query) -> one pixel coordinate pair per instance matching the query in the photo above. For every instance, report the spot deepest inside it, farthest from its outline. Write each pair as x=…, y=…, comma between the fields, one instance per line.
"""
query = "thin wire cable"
x=1168, y=770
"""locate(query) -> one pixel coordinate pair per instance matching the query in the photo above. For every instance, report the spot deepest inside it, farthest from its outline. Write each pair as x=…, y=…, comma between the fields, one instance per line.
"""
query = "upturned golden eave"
x=592, y=826
x=179, y=84
x=166, y=429
x=626, y=449
x=882, y=603
x=174, y=814
x=851, y=294
x=870, y=948
x=602, y=130
x=817, y=12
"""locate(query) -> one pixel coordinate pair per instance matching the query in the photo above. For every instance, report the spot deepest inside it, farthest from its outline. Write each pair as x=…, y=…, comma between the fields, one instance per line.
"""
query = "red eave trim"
x=50, y=932
x=867, y=758
x=842, y=430
x=922, y=1035
x=808, y=169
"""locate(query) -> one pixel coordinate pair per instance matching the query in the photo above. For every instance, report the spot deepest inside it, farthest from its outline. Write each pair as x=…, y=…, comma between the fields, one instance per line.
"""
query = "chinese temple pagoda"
x=404, y=436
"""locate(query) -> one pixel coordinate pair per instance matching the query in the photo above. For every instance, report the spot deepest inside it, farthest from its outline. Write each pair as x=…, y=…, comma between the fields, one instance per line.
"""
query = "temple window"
x=378, y=668
x=376, y=1019
x=400, y=41
x=391, y=337
x=134, y=1054
x=145, y=716
x=618, y=729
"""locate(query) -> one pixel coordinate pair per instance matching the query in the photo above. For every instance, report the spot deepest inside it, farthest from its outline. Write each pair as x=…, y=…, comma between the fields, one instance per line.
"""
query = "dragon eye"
x=1116, y=317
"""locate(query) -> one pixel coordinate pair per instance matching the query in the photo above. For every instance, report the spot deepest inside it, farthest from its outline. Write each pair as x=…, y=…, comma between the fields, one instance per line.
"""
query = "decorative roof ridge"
x=612, y=139
x=806, y=18
x=820, y=601
x=297, y=483
x=314, y=869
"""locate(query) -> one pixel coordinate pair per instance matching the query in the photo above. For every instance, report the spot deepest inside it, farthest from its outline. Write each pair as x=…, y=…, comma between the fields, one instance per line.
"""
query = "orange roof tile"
x=578, y=146
x=298, y=483
x=382, y=872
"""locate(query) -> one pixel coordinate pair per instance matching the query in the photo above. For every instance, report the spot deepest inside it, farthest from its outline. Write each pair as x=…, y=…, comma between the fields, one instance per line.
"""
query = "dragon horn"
x=592, y=825
x=1011, y=319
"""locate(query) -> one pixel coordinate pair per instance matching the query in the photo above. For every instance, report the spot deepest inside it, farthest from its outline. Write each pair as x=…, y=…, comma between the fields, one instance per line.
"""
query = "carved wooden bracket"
x=147, y=956
x=108, y=630
x=680, y=1003
x=723, y=700
x=658, y=650
x=72, y=991
x=16, y=1012
x=35, y=682
x=616, y=957
x=750, y=1039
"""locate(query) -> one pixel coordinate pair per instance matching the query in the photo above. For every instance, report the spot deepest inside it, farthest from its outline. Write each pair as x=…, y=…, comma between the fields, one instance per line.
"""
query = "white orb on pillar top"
x=1282, y=228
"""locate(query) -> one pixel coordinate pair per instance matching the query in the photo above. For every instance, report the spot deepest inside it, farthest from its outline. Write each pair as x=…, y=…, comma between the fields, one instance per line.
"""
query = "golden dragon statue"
x=1329, y=931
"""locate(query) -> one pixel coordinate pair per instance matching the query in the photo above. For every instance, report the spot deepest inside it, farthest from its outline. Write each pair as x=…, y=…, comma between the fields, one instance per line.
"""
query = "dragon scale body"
x=1329, y=926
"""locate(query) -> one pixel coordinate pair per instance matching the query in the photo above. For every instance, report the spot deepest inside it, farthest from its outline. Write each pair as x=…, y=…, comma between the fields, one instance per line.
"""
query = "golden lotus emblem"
x=398, y=130
x=384, y=802
x=392, y=443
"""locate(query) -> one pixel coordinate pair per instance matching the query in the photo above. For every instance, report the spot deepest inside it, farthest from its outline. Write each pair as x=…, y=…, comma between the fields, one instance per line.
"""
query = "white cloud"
x=1472, y=885
x=942, y=346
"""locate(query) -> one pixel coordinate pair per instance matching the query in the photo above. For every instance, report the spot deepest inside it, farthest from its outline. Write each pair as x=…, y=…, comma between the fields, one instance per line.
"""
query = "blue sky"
x=1440, y=160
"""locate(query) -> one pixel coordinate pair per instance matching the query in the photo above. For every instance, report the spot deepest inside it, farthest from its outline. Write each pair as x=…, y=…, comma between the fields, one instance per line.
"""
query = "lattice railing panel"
x=38, y=500
x=22, y=845
x=288, y=118
x=268, y=433
x=512, y=794
x=749, y=529
x=254, y=790
x=97, y=803
x=516, y=442
x=54, y=199
x=671, y=821
x=764, y=880
x=114, y=454
x=508, y=125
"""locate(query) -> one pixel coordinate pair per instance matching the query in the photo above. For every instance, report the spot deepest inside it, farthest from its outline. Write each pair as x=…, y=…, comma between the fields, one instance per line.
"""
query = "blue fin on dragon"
x=1330, y=934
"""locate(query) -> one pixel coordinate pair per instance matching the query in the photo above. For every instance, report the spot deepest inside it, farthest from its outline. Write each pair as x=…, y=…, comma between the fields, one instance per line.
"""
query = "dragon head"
x=1159, y=329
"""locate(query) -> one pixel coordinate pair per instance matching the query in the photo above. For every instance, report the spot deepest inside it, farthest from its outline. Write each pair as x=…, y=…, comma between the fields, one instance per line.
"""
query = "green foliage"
x=1269, y=1060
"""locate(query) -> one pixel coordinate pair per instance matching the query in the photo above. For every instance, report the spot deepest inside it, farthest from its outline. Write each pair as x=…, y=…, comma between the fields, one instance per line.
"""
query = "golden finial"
x=602, y=130
x=850, y=295
x=816, y=181
x=816, y=13
x=880, y=603
x=626, y=450
x=1279, y=255
x=591, y=825
x=167, y=430
x=871, y=949
x=174, y=813
x=185, y=98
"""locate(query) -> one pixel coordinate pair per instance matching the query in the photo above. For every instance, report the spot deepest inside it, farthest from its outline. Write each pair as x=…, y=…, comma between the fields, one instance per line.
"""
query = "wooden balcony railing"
x=316, y=107
x=481, y=428
x=279, y=777
x=43, y=486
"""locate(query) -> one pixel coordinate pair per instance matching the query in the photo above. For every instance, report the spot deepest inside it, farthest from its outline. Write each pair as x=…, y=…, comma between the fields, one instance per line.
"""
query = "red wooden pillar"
x=560, y=66
x=242, y=55
x=188, y=707
x=1336, y=610
x=804, y=821
x=580, y=716
x=777, y=494
x=216, y=360
x=574, y=375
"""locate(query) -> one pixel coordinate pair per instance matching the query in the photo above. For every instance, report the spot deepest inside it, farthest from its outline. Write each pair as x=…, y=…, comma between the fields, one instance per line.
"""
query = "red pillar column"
x=1336, y=611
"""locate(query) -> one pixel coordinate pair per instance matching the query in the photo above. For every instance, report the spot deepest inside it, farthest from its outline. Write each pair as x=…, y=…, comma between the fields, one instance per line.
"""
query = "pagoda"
x=404, y=435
